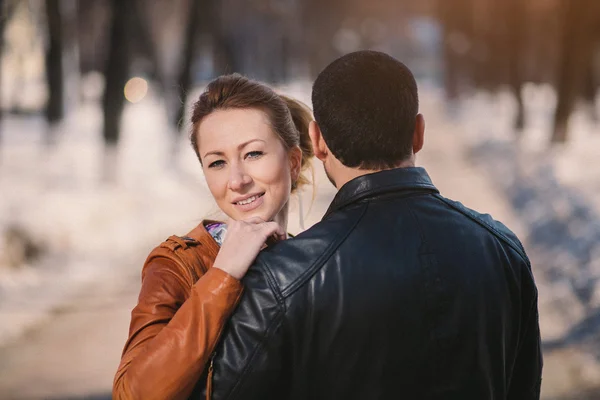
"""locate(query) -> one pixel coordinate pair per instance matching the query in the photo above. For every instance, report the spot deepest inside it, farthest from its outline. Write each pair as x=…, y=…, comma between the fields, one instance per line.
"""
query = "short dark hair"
x=366, y=104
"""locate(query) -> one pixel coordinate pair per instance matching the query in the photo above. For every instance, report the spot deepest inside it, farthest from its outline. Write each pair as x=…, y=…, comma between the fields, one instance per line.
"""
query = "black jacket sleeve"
x=527, y=373
x=248, y=363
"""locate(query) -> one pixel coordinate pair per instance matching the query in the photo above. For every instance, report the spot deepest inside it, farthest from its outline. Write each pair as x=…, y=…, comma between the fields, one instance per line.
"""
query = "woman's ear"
x=295, y=155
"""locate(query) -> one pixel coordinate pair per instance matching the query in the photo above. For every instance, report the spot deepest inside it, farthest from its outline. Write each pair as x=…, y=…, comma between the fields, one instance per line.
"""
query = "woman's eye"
x=216, y=164
x=254, y=154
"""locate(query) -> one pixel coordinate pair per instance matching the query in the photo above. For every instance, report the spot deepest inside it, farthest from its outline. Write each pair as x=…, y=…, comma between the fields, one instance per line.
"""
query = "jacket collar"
x=392, y=180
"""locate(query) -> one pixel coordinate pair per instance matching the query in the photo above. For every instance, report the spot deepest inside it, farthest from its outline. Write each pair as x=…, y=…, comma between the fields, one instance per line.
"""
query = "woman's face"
x=248, y=170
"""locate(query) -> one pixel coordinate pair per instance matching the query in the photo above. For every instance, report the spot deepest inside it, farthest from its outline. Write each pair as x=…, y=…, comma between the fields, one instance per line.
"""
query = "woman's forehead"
x=231, y=127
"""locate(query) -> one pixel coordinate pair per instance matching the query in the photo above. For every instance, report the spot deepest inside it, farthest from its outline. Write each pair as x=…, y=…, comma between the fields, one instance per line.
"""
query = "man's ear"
x=316, y=138
x=418, y=134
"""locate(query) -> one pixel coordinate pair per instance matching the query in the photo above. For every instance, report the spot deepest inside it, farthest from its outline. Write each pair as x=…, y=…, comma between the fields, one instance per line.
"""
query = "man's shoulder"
x=291, y=263
x=495, y=227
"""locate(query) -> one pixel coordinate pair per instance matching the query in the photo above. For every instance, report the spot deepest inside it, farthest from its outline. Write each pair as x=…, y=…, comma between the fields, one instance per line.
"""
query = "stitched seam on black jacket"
x=489, y=227
x=431, y=269
x=380, y=190
x=249, y=365
x=273, y=285
x=322, y=259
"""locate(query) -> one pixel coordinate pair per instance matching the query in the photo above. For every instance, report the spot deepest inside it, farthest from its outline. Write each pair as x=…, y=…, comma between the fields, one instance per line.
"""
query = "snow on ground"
x=554, y=191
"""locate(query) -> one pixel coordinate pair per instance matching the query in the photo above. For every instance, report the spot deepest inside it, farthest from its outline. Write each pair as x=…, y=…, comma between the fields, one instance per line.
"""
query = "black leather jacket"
x=398, y=293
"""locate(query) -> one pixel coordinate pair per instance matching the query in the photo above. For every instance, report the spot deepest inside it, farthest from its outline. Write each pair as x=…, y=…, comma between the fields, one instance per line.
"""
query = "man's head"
x=366, y=110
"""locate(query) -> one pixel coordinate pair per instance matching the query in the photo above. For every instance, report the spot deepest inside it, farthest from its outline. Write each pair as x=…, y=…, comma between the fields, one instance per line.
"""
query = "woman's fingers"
x=273, y=228
x=257, y=225
x=242, y=243
x=254, y=229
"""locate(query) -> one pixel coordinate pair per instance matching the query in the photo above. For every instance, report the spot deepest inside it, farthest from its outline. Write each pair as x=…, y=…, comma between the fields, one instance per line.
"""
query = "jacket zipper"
x=209, y=377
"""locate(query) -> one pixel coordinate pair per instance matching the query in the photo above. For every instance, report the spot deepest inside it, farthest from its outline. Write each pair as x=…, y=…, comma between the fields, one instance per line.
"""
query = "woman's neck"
x=282, y=217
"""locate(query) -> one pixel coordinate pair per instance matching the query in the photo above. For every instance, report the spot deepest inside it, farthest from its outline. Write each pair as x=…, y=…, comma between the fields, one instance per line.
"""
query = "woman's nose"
x=238, y=178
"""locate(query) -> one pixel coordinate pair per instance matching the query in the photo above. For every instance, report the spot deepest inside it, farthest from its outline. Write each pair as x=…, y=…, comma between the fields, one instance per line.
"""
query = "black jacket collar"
x=392, y=180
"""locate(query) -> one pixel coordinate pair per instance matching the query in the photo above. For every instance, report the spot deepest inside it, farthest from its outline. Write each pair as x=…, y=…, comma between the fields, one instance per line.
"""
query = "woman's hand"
x=243, y=241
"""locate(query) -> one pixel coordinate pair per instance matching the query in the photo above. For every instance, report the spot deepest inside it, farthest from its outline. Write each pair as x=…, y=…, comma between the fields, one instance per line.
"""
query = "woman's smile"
x=250, y=203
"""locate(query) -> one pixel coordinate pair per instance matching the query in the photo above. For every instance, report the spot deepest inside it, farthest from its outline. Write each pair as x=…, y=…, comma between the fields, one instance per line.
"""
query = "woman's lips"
x=250, y=203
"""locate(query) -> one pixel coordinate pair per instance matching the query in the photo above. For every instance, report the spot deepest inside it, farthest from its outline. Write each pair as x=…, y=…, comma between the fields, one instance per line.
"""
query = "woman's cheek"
x=262, y=170
x=280, y=169
x=214, y=185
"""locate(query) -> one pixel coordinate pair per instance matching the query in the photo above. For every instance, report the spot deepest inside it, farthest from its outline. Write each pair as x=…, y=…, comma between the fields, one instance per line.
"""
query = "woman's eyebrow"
x=240, y=146
x=215, y=153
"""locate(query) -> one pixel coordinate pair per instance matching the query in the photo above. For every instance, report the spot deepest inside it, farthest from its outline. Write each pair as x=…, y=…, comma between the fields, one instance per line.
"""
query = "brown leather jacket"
x=178, y=319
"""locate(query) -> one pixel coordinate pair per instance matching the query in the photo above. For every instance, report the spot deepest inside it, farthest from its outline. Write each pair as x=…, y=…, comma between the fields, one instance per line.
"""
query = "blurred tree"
x=515, y=11
x=93, y=30
x=71, y=55
x=492, y=45
x=61, y=59
x=199, y=13
x=4, y=17
x=142, y=45
x=7, y=9
x=457, y=36
x=575, y=62
x=54, y=62
x=225, y=34
x=591, y=84
x=116, y=73
x=226, y=59
x=321, y=27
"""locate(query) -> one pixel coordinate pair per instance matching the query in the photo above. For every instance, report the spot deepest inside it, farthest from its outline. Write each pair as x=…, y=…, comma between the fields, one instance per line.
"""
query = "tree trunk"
x=319, y=30
x=515, y=15
x=116, y=73
x=141, y=39
x=185, y=76
x=54, y=63
x=590, y=87
x=3, y=7
x=226, y=59
x=455, y=24
x=576, y=53
x=70, y=55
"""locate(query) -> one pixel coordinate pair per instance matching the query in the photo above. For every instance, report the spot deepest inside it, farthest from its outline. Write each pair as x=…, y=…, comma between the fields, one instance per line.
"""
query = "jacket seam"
x=532, y=313
x=273, y=285
x=380, y=190
x=432, y=281
x=276, y=321
x=183, y=278
x=516, y=247
x=336, y=243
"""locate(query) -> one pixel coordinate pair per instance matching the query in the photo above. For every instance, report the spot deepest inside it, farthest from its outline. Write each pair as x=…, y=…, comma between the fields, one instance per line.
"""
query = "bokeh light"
x=136, y=89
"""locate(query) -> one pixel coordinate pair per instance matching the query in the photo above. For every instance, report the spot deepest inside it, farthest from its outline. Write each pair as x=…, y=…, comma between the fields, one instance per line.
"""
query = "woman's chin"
x=244, y=216
x=262, y=215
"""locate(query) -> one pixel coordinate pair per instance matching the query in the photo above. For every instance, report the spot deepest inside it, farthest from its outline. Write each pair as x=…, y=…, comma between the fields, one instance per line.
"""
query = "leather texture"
x=182, y=308
x=397, y=293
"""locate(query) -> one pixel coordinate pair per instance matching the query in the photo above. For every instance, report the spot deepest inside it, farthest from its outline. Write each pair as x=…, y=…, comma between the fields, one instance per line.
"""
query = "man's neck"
x=346, y=174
